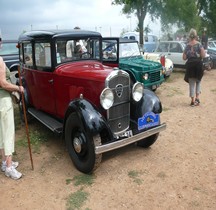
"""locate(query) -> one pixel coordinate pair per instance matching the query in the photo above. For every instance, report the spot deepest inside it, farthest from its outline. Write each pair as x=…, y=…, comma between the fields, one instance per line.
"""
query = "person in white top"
x=7, y=128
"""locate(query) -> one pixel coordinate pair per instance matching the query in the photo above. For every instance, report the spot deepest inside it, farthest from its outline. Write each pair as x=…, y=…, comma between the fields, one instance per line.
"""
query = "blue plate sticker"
x=148, y=120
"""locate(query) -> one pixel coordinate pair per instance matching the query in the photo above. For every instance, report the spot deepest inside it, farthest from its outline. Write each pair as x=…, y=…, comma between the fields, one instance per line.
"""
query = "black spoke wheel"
x=80, y=146
x=147, y=142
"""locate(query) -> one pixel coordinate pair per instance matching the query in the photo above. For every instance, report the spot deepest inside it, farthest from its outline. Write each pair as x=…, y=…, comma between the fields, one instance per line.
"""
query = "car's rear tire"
x=147, y=142
x=80, y=146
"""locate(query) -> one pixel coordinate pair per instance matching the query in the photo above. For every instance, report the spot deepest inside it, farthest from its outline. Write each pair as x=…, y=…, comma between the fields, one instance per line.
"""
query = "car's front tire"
x=147, y=142
x=80, y=145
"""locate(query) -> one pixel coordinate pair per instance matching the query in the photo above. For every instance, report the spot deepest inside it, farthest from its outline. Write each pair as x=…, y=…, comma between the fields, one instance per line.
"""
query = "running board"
x=47, y=120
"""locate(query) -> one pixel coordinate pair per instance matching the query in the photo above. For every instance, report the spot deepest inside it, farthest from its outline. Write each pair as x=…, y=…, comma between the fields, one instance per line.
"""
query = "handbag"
x=15, y=97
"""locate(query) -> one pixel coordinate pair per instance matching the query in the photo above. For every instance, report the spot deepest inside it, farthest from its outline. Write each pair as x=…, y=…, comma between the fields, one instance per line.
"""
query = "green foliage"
x=36, y=139
x=184, y=14
x=17, y=118
x=140, y=8
x=135, y=176
x=83, y=179
x=76, y=200
x=208, y=8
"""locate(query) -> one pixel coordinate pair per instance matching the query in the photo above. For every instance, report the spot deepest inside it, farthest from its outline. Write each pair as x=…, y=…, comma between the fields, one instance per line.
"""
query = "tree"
x=140, y=8
x=181, y=13
x=184, y=14
x=208, y=8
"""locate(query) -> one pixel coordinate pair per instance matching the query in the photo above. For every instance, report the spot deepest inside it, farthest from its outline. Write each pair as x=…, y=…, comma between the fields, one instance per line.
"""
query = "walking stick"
x=26, y=122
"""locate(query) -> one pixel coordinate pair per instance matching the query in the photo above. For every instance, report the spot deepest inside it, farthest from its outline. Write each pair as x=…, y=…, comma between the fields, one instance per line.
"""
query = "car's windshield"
x=128, y=50
x=8, y=49
x=77, y=49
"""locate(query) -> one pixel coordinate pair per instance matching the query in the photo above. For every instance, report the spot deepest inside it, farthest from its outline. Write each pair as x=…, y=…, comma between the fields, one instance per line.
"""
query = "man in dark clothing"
x=204, y=40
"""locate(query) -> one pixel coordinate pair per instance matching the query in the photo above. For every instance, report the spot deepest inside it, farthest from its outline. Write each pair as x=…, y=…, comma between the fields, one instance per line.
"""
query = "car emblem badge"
x=119, y=90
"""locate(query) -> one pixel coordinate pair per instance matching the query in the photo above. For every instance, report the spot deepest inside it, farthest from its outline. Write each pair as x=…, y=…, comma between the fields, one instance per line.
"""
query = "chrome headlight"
x=106, y=98
x=137, y=91
x=145, y=76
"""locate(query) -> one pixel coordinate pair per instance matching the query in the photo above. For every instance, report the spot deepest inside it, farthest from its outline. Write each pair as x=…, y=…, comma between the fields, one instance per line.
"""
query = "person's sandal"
x=192, y=104
x=197, y=102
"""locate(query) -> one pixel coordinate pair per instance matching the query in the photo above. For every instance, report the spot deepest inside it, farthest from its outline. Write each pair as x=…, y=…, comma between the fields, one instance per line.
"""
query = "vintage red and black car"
x=94, y=107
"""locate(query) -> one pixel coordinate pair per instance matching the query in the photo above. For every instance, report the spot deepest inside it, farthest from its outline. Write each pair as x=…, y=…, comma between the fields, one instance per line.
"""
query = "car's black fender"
x=149, y=103
x=93, y=121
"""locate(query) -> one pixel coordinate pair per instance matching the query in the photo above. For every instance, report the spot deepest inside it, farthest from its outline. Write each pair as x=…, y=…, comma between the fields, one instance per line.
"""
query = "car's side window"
x=163, y=47
x=8, y=49
x=42, y=54
x=109, y=49
x=27, y=59
x=77, y=49
x=175, y=47
x=132, y=37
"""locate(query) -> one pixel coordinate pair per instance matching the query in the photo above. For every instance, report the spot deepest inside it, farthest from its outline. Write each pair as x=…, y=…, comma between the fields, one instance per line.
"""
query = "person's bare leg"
x=8, y=160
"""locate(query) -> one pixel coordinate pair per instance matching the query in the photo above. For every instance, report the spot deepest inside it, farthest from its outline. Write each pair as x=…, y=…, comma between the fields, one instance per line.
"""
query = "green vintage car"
x=125, y=54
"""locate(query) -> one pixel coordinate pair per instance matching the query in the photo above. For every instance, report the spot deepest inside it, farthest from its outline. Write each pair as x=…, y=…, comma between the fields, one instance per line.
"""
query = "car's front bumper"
x=126, y=141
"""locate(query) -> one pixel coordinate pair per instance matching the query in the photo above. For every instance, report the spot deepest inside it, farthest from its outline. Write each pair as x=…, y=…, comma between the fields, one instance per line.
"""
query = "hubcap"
x=77, y=143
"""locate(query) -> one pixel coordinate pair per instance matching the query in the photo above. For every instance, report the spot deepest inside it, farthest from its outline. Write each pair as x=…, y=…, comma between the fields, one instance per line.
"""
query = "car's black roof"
x=49, y=34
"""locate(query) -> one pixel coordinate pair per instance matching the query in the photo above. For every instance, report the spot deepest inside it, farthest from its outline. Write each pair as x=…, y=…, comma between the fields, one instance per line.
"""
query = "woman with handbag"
x=7, y=128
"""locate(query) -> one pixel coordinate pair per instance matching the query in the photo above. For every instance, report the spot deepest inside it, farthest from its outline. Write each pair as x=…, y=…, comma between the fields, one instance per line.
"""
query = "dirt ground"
x=177, y=172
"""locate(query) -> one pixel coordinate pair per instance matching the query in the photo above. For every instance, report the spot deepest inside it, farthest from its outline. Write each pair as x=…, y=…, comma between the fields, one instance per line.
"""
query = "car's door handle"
x=50, y=81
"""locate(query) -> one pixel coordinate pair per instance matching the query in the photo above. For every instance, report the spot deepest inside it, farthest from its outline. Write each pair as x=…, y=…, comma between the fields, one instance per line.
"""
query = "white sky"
x=17, y=16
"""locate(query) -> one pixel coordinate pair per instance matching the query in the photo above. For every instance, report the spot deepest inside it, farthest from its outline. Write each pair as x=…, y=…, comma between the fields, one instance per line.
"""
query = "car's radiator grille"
x=155, y=76
x=119, y=114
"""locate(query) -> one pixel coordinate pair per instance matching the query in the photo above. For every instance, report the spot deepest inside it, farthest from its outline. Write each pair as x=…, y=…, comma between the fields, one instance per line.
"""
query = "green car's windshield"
x=129, y=49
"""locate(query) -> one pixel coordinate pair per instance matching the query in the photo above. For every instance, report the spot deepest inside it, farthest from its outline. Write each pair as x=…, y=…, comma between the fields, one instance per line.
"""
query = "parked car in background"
x=212, y=52
x=129, y=58
x=95, y=108
x=166, y=62
x=150, y=41
x=10, y=54
x=212, y=43
x=174, y=50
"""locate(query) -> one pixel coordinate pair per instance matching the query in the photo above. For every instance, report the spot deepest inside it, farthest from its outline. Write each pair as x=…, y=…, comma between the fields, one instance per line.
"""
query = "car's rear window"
x=8, y=49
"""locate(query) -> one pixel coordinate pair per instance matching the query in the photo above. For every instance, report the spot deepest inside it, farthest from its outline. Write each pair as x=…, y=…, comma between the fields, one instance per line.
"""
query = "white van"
x=150, y=41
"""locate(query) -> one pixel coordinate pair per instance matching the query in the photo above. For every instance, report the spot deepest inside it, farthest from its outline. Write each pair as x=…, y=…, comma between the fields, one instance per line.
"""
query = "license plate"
x=148, y=120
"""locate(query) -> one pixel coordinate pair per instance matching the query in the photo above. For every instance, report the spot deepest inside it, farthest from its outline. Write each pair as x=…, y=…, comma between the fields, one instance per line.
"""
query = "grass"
x=17, y=119
x=175, y=75
x=161, y=175
x=174, y=91
x=76, y=200
x=82, y=179
x=165, y=109
x=36, y=138
x=213, y=90
x=135, y=176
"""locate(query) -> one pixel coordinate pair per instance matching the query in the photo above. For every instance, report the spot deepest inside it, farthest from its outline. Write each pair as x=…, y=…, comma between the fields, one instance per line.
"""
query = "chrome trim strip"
x=121, y=143
x=7, y=61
